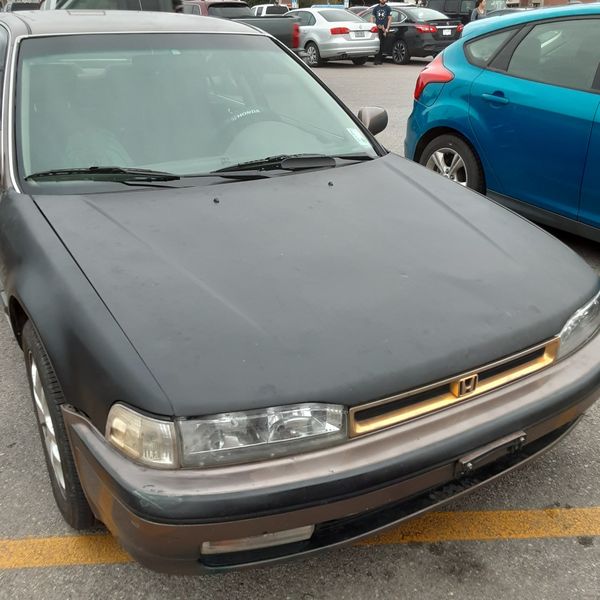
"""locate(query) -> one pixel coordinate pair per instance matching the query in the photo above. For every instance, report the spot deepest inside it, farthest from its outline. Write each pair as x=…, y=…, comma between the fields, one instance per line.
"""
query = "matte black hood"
x=342, y=285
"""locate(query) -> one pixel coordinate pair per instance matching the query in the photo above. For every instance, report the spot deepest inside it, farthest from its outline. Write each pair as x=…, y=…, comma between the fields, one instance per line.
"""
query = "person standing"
x=479, y=11
x=382, y=17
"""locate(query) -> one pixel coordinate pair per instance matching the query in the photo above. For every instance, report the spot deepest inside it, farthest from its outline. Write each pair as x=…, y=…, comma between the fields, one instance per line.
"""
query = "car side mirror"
x=374, y=118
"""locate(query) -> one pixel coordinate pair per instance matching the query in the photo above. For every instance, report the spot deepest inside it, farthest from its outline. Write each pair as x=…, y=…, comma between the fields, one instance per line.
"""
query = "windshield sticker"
x=358, y=136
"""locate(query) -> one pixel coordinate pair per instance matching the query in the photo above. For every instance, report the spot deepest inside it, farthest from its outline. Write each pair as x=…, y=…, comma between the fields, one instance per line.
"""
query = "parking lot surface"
x=533, y=533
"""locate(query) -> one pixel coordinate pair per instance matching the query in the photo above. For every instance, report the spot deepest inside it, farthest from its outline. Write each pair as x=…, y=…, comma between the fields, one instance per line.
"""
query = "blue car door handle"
x=498, y=98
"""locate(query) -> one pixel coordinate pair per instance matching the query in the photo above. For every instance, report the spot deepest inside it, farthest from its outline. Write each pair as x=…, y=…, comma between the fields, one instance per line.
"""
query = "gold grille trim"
x=388, y=412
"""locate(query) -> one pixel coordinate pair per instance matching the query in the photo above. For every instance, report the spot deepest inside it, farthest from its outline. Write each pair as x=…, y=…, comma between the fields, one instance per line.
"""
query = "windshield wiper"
x=101, y=173
x=292, y=162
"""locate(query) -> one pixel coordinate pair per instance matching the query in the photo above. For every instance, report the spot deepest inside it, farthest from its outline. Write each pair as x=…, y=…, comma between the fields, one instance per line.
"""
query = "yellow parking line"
x=494, y=525
x=61, y=551
x=433, y=527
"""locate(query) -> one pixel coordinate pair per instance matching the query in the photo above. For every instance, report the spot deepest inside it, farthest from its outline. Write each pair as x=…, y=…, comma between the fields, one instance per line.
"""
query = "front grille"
x=388, y=412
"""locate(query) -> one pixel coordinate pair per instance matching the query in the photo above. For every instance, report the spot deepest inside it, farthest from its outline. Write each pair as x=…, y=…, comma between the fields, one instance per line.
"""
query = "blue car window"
x=481, y=51
x=564, y=53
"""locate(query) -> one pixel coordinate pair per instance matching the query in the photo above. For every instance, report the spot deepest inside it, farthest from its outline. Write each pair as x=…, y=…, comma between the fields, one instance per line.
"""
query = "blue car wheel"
x=451, y=157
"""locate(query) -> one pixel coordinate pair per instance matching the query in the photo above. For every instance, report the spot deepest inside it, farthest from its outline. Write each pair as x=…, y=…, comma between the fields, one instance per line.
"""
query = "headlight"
x=240, y=437
x=146, y=440
x=580, y=327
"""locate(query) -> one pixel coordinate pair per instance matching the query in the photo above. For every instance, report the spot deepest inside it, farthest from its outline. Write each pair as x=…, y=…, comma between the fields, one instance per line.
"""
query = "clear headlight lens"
x=240, y=437
x=580, y=327
x=146, y=440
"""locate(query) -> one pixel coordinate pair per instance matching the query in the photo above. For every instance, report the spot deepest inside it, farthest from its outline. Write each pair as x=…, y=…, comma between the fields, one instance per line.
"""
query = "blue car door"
x=589, y=210
x=532, y=112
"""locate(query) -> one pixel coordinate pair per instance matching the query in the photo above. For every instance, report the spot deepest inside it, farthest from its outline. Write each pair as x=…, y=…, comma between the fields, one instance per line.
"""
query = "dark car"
x=455, y=9
x=512, y=111
x=507, y=11
x=284, y=27
x=18, y=6
x=417, y=31
x=463, y=9
x=237, y=351
x=150, y=5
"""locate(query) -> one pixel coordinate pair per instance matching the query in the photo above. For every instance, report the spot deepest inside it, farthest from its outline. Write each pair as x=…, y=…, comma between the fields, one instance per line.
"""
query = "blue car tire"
x=453, y=158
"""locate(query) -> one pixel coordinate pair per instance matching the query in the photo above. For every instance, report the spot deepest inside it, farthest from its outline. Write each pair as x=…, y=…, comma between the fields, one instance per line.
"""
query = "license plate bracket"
x=493, y=451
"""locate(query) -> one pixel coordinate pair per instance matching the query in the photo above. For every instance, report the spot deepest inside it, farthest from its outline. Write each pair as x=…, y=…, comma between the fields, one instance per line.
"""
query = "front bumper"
x=162, y=517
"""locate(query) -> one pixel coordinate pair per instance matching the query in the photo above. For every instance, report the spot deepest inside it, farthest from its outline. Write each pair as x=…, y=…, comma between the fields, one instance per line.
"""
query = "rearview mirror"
x=374, y=118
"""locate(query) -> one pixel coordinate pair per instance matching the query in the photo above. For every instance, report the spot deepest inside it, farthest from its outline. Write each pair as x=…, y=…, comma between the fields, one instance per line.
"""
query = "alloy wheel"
x=46, y=424
x=311, y=51
x=399, y=53
x=449, y=163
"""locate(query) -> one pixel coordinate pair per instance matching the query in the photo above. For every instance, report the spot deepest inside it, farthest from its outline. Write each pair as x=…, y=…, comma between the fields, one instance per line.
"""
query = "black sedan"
x=417, y=31
x=250, y=332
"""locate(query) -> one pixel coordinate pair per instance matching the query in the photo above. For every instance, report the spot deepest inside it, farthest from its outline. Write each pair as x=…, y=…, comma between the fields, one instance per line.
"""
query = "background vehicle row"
x=332, y=33
x=417, y=31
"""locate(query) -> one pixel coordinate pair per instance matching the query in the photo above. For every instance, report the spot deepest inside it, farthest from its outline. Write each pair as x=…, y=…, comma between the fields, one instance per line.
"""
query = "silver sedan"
x=335, y=34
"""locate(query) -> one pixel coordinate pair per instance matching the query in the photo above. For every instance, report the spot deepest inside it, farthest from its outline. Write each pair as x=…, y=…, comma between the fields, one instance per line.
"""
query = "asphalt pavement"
x=532, y=534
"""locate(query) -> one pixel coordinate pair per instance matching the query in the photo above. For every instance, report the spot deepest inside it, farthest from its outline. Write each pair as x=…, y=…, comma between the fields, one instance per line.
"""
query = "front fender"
x=450, y=113
x=95, y=363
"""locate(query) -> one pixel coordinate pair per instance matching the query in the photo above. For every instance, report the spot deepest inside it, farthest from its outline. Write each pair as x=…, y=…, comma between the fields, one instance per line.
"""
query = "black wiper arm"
x=287, y=162
x=356, y=157
x=120, y=173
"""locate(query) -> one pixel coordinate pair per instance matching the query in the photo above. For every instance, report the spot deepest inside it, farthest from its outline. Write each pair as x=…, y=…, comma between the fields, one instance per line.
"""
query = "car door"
x=532, y=111
x=397, y=30
x=306, y=25
x=589, y=208
x=3, y=58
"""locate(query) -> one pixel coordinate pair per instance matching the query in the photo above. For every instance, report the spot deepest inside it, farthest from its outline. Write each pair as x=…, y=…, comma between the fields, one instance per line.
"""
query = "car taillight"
x=434, y=72
x=426, y=28
x=296, y=36
x=339, y=30
x=459, y=28
x=374, y=29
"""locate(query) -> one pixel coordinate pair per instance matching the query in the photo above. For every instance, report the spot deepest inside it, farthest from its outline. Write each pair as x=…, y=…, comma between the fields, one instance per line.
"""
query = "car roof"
x=482, y=26
x=58, y=22
x=395, y=5
x=323, y=7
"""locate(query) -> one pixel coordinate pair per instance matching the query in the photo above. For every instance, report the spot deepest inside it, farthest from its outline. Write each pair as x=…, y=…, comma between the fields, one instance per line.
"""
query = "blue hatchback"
x=512, y=109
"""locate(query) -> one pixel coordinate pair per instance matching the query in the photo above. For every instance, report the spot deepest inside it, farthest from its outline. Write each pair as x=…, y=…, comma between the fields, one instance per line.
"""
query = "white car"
x=335, y=34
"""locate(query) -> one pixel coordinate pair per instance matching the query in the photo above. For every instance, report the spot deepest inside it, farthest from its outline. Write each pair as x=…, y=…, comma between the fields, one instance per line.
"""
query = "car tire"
x=452, y=157
x=400, y=52
x=47, y=398
x=360, y=61
x=313, y=55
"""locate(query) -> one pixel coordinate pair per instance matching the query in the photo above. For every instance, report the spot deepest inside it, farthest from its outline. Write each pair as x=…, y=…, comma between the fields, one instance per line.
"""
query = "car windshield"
x=184, y=104
x=229, y=11
x=335, y=15
x=424, y=14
